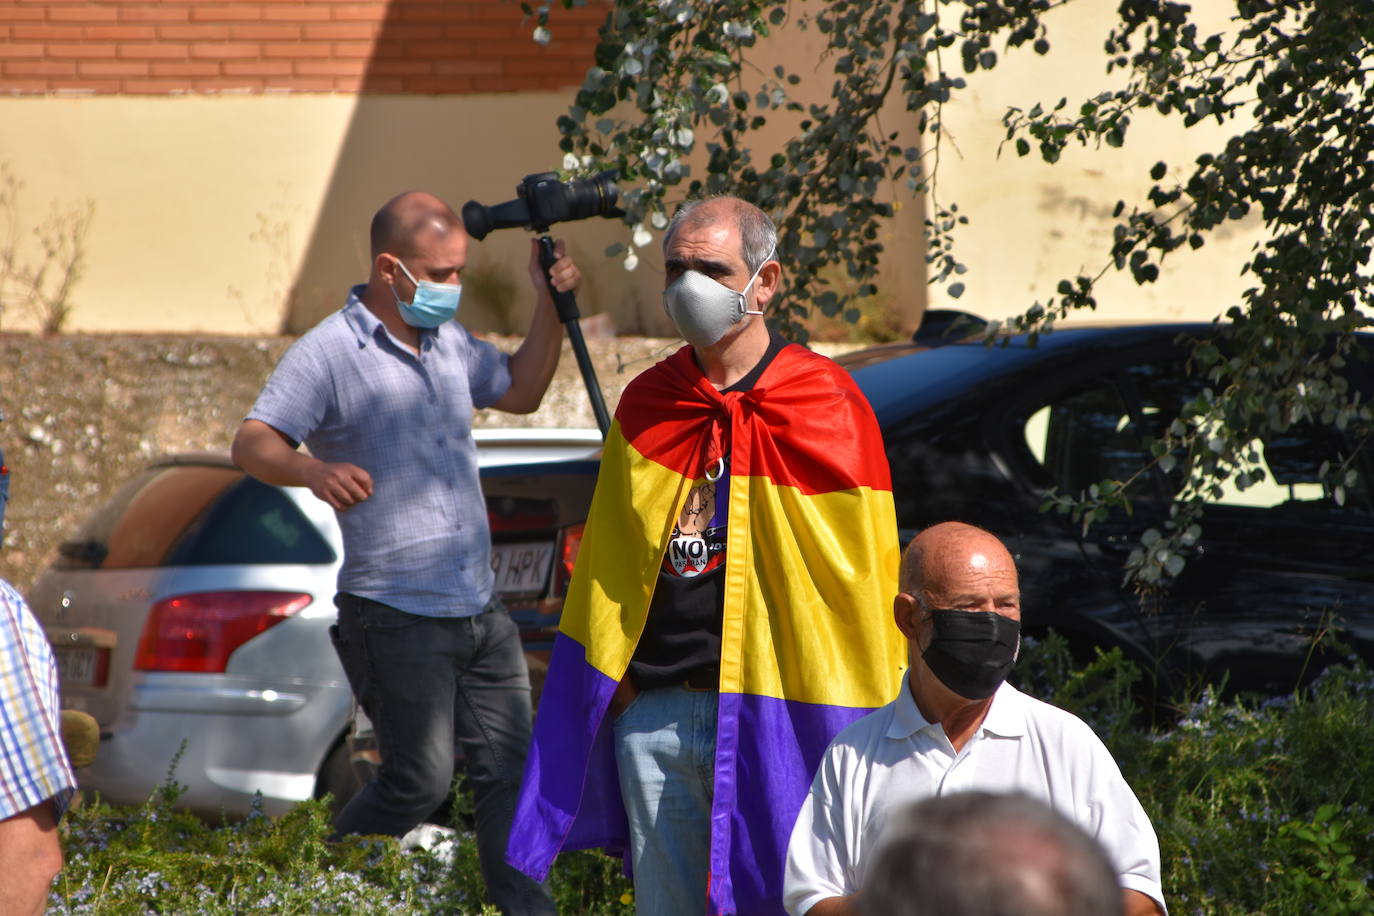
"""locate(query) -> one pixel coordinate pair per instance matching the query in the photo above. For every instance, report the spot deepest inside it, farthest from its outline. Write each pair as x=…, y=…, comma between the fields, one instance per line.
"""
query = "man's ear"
x=767, y=284
x=907, y=614
x=385, y=266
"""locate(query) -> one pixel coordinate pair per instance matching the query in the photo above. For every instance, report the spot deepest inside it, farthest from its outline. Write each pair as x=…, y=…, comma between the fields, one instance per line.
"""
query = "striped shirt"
x=352, y=394
x=33, y=761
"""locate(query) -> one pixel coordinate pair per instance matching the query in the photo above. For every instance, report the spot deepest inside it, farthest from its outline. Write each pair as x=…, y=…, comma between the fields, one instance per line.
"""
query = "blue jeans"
x=426, y=682
x=665, y=750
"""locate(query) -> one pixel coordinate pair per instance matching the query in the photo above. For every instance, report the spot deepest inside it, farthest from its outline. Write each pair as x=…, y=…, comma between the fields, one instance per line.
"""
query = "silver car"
x=190, y=613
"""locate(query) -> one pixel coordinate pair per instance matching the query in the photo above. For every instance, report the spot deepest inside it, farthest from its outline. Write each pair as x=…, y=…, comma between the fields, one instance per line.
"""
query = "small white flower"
x=542, y=35
x=569, y=162
x=631, y=260
x=641, y=237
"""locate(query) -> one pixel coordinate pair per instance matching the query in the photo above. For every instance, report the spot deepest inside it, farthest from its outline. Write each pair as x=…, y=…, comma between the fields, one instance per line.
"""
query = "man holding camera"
x=382, y=394
x=720, y=626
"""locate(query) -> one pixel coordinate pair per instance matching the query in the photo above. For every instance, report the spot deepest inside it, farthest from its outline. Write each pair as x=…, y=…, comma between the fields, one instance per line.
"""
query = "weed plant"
x=1261, y=807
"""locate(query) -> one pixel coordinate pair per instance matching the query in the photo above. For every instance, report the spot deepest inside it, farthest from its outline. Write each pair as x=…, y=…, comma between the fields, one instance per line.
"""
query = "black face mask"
x=972, y=652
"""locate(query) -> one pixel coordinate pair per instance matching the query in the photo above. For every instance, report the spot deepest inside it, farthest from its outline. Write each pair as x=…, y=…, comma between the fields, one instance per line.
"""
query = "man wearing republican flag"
x=722, y=622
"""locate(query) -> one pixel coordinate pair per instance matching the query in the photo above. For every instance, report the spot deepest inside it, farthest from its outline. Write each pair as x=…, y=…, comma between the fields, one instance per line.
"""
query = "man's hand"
x=341, y=485
x=533, y=362
x=267, y=454
x=564, y=272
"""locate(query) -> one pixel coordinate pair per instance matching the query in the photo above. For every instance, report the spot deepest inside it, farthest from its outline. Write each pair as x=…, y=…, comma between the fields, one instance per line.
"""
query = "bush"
x=1262, y=807
x=157, y=859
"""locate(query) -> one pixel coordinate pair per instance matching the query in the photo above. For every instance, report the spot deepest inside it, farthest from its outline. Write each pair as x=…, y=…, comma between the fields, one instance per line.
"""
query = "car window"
x=1292, y=462
x=1087, y=436
x=1100, y=429
x=193, y=515
x=145, y=517
x=251, y=523
x=1293, y=473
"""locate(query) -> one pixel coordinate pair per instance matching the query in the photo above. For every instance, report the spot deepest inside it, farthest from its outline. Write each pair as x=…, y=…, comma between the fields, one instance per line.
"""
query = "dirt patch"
x=84, y=412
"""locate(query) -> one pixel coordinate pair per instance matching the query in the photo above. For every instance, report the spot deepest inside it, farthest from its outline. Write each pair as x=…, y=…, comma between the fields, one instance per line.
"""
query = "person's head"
x=980, y=854
x=959, y=607
x=719, y=255
x=419, y=249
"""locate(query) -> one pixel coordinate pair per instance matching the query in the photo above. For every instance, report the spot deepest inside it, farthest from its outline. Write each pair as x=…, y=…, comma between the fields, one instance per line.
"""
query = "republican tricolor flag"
x=808, y=644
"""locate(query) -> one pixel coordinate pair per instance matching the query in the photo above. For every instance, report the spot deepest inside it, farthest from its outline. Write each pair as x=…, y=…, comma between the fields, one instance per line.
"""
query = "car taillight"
x=570, y=543
x=198, y=632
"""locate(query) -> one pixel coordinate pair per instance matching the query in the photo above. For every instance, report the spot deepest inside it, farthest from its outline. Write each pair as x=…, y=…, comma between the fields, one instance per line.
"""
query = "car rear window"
x=194, y=516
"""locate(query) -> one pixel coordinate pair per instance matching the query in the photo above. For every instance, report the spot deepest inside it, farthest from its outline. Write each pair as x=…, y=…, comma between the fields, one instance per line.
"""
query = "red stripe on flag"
x=810, y=426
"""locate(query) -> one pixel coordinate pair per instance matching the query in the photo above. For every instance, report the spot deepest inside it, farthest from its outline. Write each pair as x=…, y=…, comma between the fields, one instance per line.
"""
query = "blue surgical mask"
x=432, y=304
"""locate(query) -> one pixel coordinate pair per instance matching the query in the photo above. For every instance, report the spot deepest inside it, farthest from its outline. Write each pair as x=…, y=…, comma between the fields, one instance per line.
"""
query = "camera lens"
x=594, y=196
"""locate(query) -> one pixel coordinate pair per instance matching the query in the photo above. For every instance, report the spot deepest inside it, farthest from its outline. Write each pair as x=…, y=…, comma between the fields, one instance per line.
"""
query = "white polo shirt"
x=894, y=756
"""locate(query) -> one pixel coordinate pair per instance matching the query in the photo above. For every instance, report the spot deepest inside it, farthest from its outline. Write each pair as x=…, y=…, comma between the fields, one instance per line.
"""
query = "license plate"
x=81, y=666
x=521, y=569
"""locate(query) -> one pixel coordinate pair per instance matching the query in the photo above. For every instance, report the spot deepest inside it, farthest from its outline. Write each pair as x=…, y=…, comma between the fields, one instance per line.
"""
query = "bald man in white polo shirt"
x=957, y=726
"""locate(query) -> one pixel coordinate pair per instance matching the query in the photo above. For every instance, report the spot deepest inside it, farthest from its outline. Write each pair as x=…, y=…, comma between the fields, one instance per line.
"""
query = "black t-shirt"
x=682, y=635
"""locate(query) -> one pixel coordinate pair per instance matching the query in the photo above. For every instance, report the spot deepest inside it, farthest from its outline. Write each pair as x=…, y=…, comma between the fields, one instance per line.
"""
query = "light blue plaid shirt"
x=33, y=762
x=352, y=394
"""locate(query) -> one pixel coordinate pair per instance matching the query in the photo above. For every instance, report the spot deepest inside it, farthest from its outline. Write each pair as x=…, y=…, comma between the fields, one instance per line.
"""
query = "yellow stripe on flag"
x=622, y=548
x=815, y=624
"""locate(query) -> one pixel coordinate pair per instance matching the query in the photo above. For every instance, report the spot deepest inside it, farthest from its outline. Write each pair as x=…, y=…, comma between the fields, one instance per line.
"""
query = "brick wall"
x=158, y=47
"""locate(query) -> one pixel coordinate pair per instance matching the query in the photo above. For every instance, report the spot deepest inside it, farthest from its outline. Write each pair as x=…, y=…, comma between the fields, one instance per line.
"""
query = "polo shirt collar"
x=1006, y=716
x=906, y=715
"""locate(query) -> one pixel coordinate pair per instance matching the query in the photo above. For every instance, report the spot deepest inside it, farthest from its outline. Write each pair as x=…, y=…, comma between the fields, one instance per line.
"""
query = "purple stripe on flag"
x=774, y=747
x=570, y=796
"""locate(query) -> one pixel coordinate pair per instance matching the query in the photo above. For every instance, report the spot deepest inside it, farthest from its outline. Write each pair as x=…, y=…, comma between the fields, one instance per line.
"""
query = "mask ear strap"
x=402, y=264
x=745, y=292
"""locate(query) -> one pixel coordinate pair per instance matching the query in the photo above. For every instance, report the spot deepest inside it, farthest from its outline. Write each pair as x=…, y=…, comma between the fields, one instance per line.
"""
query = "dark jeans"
x=426, y=682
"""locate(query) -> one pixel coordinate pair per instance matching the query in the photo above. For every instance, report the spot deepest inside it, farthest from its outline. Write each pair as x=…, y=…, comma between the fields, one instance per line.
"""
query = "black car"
x=982, y=433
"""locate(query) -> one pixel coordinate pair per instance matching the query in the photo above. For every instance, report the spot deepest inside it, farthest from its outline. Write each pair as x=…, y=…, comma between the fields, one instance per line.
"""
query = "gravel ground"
x=83, y=412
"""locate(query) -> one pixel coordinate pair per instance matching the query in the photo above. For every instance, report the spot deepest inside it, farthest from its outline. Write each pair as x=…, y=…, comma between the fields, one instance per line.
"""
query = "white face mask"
x=704, y=310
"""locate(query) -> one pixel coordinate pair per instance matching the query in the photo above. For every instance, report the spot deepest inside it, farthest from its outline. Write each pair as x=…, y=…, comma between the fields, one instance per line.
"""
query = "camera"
x=544, y=200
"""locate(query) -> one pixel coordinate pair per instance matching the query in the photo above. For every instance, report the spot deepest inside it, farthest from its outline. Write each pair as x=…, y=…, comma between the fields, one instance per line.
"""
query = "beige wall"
x=1032, y=223
x=247, y=214
x=216, y=214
